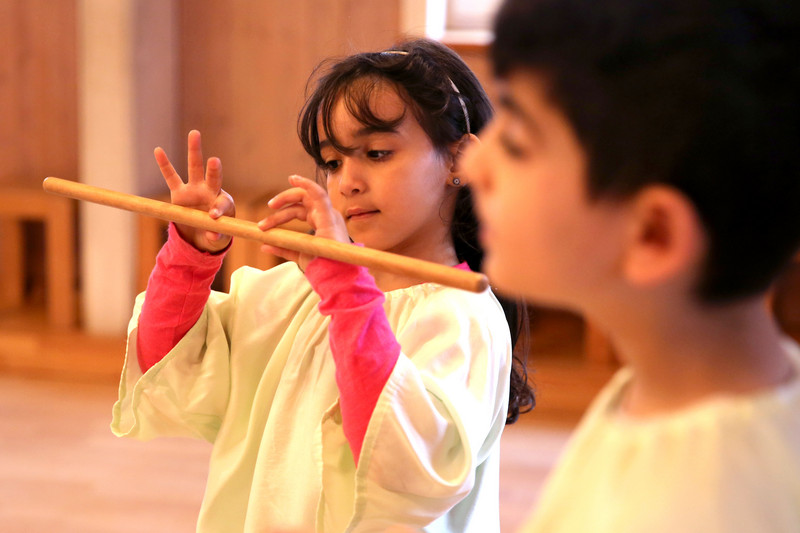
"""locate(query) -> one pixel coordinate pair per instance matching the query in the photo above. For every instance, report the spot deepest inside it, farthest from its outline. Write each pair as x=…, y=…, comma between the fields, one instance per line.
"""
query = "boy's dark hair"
x=700, y=95
x=424, y=72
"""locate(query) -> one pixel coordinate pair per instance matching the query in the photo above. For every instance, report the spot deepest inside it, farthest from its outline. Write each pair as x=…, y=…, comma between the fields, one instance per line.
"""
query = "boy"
x=643, y=170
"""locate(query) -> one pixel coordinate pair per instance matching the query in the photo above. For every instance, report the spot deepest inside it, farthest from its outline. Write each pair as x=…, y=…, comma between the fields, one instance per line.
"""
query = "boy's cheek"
x=482, y=206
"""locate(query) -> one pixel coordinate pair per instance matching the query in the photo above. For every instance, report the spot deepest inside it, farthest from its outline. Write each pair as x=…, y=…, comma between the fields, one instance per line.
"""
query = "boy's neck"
x=685, y=355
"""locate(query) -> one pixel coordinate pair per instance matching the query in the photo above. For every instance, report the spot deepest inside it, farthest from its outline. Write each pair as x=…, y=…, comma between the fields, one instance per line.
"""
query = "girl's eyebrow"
x=369, y=130
x=364, y=132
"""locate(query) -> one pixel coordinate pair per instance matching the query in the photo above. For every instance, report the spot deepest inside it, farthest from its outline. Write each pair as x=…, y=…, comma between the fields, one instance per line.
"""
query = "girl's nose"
x=351, y=178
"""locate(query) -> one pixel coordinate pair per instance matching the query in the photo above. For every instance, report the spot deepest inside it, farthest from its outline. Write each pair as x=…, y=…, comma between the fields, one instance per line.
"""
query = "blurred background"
x=87, y=89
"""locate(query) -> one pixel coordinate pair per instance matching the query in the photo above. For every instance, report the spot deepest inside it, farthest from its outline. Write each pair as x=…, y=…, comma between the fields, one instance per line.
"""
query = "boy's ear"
x=457, y=151
x=666, y=238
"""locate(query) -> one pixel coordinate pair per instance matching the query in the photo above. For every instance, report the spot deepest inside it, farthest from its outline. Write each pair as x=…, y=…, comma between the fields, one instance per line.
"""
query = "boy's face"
x=544, y=239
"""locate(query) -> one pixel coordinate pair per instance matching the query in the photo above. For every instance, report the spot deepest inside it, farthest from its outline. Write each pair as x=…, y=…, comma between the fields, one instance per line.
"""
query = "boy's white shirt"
x=255, y=376
x=729, y=464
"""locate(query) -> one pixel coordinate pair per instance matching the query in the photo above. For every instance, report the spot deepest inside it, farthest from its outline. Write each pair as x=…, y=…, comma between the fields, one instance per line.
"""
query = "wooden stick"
x=300, y=242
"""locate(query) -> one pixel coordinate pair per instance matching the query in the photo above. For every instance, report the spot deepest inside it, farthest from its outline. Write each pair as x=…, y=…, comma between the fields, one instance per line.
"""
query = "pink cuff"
x=364, y=347
x=177, y=291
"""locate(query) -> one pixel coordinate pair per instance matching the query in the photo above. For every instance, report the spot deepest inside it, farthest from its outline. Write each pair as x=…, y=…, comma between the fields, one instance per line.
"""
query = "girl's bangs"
x=357, y=96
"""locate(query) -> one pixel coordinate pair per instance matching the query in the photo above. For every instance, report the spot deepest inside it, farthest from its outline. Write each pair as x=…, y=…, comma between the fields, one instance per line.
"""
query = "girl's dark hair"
x=424, y=73
x=699, y=95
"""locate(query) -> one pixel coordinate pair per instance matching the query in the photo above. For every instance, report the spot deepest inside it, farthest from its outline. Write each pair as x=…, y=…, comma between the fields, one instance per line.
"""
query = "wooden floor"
x=62, y=470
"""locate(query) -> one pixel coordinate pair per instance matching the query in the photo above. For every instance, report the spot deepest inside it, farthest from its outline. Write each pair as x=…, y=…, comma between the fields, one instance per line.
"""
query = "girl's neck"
x=387, y=281
x=683, y=357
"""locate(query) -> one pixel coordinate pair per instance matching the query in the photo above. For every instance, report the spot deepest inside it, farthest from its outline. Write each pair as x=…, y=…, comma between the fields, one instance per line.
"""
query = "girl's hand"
x=309, y=202
x=200, y=192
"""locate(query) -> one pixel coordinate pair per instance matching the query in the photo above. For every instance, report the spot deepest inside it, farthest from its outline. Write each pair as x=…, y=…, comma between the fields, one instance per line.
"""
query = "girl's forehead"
x=382, y=100
x=354, y=109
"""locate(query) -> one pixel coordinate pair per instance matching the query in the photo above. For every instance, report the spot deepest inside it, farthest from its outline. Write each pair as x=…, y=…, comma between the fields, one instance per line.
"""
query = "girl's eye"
x=379, y=154
x=331, y=165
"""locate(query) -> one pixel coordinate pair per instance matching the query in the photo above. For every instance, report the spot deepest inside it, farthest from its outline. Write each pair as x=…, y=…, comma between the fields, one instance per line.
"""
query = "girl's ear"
x=666, y=240
x=457, y=151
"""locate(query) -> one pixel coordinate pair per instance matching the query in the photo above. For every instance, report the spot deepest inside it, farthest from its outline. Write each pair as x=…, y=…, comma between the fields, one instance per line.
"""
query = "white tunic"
x=255, y=377
x=726, y=465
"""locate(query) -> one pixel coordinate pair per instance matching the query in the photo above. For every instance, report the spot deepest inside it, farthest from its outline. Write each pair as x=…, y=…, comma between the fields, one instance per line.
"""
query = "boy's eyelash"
x=511, y=148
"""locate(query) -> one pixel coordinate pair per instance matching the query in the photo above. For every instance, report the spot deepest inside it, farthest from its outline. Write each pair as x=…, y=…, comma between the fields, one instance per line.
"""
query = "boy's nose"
x=474, y=165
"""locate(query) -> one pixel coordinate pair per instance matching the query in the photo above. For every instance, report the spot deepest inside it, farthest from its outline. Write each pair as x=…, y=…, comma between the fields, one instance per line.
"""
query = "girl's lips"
x=358, y=215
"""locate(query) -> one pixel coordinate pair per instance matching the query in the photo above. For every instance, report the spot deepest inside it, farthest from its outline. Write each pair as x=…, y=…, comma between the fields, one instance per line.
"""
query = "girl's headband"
x=453, y=85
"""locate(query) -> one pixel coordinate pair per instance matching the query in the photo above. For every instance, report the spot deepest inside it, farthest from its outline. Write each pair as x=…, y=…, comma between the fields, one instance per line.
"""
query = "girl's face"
x=544, y=239
x=391, y=186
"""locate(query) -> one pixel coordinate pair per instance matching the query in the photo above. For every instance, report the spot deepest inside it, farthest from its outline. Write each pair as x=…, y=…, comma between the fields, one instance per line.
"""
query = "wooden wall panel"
x=244, y=66
x=38, y=91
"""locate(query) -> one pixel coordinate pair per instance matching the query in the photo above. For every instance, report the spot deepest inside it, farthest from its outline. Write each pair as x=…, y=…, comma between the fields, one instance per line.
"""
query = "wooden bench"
x=58, y=214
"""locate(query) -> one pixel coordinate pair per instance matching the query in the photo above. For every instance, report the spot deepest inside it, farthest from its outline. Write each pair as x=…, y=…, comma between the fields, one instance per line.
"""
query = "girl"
x=338, y=399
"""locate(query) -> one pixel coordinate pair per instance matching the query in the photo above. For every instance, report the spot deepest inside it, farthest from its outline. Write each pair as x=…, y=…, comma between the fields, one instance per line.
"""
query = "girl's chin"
x=365, y=240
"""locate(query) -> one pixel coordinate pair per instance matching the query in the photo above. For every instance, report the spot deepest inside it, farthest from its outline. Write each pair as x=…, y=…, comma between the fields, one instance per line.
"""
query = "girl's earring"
x=455, y=181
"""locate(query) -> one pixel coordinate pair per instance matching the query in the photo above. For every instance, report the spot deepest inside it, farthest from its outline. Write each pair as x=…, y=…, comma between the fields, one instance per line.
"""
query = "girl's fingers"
x=213, y=236
x=303, y=191
x=283, y=216
x=223, y=205
x=195, y=158
x=289, y=255
x=214, y=174
x=321, y=214
x=167, y=170
x=314, y=190
x=289, y=196
x=306, y=193
x=315, y=198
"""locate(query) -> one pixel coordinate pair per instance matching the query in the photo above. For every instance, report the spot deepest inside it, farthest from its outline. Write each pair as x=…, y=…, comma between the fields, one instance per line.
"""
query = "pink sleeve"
x=363, y=345
x=177, y=292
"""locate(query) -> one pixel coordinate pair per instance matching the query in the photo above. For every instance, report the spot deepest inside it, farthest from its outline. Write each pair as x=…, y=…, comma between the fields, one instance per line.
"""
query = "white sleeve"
x=438, y=418
x=184, y=394
x=187, y=393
